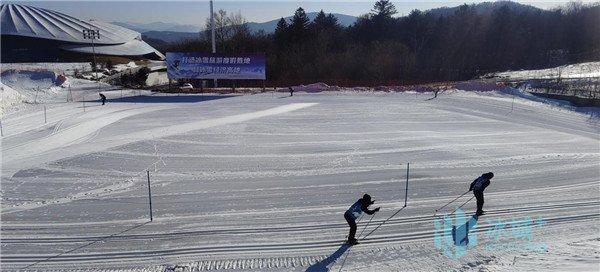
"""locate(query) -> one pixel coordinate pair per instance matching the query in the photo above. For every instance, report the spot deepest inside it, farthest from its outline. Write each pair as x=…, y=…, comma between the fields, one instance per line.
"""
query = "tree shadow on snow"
x=322, y=266
x=167, y=98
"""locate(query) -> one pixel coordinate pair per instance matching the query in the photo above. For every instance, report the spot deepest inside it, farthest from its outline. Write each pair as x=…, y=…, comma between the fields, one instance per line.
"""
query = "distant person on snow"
x=354, y=212
x=291, y=91
x=103, y=98
x=478, y=186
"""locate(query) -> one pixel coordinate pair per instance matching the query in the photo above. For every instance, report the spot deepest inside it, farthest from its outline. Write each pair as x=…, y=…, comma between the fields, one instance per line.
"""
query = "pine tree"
x=320, y=19
x=281, y=32
x=299, y=25
x=331, y=21
x=384, y=8
x=324, y=22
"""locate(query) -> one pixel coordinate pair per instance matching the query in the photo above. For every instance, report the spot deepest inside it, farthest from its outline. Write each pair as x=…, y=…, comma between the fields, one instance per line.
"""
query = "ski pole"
x=384, y=221
x=461, y=205
x=357, y=221
x=344, y=261
x=451, y=202
x=365, y=227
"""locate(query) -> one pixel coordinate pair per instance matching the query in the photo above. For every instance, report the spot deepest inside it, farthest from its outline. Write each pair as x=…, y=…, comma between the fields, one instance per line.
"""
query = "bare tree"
x=227, y=26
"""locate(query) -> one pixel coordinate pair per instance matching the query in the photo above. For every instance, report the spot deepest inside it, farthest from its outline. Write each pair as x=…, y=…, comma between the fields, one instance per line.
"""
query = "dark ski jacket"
x=484, y=183
x=358, y=207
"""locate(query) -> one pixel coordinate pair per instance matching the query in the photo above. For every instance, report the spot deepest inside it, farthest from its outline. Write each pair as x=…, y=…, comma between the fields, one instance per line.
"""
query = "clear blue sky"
x=195, y=12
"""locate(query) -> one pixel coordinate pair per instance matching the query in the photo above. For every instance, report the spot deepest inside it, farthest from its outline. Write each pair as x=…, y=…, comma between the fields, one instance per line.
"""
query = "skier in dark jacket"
x=103, y=98
x=354, y=212
x=477, y=186
x=291, y=91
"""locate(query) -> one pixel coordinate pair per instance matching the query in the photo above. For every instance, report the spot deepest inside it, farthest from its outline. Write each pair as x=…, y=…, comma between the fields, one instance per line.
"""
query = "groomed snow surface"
x=260, y=182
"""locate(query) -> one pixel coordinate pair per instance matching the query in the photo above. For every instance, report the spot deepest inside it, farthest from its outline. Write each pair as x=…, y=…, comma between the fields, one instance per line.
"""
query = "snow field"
x=260, y=182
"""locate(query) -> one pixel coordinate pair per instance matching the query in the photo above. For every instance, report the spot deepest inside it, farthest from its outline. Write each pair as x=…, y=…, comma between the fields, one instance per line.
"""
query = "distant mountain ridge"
x=269, y=26
x=172, y=33
x=158, y=26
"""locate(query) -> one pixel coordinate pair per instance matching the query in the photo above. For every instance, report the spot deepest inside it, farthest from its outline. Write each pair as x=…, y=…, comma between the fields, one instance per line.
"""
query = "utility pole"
x=212, y=33
x=92, y=34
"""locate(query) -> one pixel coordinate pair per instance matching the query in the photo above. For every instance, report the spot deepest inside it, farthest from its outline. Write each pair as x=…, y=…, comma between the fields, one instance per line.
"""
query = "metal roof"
x=28, y=21
x=35, y=22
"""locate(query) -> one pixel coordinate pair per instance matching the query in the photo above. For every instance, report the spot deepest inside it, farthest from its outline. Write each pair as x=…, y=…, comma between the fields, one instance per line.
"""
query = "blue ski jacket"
x=357, y=208
x=479, y=184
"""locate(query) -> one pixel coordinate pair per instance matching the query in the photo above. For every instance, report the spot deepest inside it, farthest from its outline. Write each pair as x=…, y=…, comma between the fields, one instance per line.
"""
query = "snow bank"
x=68, y=69
x=315, y=88
x=123, y=67
x=30, y=86
x=471, y=85
x=479, y=85
x=33, y=86
x=157, y=78
x=8, y=98
x=586, y=69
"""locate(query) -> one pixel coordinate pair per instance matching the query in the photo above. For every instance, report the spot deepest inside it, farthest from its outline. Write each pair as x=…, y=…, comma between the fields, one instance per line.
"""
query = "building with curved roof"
x=31, y=34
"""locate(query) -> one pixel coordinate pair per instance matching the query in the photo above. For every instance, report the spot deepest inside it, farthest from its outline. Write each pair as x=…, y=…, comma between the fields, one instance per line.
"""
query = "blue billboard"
x=215, y=66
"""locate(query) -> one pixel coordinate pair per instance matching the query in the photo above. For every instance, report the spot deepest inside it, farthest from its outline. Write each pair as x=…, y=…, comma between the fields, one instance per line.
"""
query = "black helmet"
x=367, y=198
x=488, y=175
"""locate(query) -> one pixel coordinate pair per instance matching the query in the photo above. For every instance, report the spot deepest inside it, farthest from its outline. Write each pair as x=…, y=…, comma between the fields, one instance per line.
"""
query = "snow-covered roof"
x=28, y=21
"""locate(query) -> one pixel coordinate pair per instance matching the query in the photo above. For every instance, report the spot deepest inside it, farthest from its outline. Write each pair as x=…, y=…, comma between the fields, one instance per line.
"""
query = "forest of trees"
x=381, y=48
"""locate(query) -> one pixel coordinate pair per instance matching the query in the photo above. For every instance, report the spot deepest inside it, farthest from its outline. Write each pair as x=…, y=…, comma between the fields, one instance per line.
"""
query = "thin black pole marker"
x=149, y=195
x=405, y=199
x=406, y=192
x=397, y=212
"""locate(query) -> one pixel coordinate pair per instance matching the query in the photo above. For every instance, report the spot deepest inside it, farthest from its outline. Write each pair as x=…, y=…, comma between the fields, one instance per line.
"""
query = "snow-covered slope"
x=579, y=70
x=260, y=182
x=28, y=87
x=8, y=98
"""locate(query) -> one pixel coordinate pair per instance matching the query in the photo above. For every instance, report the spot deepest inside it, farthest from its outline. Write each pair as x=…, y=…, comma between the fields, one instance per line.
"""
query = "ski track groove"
x=230, y=249
x=396, y=221
x=277, y=261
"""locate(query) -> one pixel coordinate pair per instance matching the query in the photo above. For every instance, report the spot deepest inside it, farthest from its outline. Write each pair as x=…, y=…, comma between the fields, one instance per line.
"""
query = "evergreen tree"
x=445, y=44
x=299, y=25
x=323, y=22
x=331, y=21
x=384, y=8
x=281, y=32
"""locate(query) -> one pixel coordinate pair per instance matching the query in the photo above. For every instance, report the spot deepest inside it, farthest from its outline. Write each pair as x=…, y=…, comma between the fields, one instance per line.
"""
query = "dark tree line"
x=423, y=46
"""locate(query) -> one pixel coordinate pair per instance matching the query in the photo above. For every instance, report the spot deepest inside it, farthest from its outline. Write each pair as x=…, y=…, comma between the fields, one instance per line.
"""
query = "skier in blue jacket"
x=477, y=186
x=354, y=212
